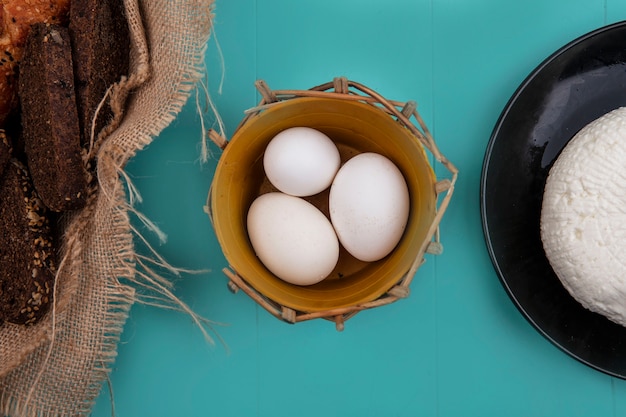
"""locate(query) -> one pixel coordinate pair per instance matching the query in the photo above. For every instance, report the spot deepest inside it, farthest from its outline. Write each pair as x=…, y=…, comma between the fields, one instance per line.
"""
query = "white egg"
x=292, y=238
x=369, y=206
x=301, y=161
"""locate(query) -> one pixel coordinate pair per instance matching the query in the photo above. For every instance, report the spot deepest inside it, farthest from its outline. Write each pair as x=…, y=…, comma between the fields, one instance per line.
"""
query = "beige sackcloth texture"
x=58, y=367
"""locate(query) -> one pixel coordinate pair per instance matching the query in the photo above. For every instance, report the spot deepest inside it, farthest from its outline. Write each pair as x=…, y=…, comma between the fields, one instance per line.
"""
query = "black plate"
x=577, y=84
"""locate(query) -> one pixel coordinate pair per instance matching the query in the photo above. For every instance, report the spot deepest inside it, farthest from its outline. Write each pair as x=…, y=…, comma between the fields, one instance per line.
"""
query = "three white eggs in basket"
x=368, y=207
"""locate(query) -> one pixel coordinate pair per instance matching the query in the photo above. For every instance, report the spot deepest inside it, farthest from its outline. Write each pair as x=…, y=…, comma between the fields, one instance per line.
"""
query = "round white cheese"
x=583, y=216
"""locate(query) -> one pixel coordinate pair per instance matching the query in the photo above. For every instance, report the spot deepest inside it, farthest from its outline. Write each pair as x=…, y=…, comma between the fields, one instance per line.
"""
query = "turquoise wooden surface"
x=457, y=346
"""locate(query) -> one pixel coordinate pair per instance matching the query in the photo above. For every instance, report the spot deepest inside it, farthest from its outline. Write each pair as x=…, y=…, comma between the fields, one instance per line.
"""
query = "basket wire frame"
x=343, y=89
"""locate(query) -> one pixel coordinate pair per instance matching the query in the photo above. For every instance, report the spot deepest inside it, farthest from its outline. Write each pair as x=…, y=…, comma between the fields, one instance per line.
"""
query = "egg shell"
x=301, y=161
x=369, y=206
x=292, y=238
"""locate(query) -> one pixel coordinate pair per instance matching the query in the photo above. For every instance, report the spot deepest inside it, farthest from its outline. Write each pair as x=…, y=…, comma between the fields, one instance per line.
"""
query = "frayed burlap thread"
x=58, y=367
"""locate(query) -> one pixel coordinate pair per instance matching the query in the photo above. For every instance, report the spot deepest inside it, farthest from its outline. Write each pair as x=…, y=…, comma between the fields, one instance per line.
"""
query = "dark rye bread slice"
x=100, y=52
x=27, y=264
x=50, y=125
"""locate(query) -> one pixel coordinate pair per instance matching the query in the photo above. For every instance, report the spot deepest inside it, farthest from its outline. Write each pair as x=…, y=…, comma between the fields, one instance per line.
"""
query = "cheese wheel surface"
x=583, y=216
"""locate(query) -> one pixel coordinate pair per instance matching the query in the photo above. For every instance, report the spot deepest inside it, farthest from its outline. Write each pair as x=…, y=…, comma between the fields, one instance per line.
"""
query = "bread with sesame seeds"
x=27, y=257
x=16, y=18
x=50, y=127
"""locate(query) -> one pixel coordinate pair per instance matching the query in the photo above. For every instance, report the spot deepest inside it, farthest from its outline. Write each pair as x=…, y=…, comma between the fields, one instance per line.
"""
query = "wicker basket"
x=358, y=120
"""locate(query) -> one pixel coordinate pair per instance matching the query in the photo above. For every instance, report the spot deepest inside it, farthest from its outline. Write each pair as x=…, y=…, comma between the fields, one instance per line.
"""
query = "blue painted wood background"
x=457, y=346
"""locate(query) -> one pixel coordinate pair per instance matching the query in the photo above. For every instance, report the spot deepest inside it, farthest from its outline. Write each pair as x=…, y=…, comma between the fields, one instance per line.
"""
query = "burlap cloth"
x=59, y=366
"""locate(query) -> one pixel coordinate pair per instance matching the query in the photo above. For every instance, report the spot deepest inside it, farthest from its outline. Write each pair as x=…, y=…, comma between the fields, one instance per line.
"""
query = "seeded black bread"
x=49, y=116
x=100, y=51
x=27, y=265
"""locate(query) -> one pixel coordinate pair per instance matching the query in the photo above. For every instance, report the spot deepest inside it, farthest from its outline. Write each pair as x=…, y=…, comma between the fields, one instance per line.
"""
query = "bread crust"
x=50, y=120
x=100, y=53
x=16, y=18
x=5, y=151
x=27, y=255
